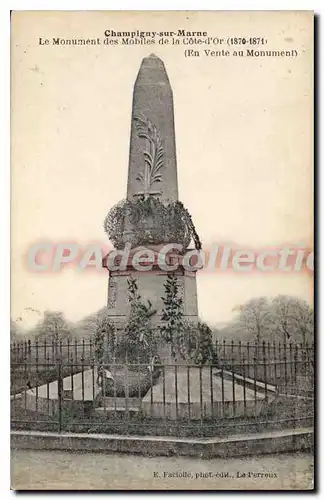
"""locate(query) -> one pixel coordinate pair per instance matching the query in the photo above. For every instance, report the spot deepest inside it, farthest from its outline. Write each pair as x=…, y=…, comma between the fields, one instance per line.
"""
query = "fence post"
x=36, y=372
x=296, y=369
x=244, y=384
x=285, y=367
x=265, y=371
x=60, y=394
x=233, y=380
x=255, y=383
x=248, y=357
x=240, y=354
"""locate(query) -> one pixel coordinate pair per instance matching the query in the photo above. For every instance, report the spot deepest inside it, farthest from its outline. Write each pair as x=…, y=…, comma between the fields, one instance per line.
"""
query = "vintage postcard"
x=162, y=322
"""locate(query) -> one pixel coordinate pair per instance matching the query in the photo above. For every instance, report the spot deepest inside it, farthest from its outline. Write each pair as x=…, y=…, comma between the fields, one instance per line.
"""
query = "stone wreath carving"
x=145, y=221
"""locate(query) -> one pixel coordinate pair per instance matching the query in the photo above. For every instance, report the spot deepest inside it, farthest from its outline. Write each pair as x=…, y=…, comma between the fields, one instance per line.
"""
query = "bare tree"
x=53, y=327
x=284, y=309
x=305, y=321
x=255, y=317
x=293, y=318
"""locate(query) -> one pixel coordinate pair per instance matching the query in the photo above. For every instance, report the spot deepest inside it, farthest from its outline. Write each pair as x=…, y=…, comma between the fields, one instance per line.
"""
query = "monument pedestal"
x=150, y=281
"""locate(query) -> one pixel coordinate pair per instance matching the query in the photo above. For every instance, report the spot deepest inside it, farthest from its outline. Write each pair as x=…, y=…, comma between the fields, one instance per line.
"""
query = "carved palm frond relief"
x=154, y=155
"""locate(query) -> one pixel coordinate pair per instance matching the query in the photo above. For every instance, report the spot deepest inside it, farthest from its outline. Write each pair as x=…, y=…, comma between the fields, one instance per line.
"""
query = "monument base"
x=151, y=287
x=181, y=392
x=204, y=392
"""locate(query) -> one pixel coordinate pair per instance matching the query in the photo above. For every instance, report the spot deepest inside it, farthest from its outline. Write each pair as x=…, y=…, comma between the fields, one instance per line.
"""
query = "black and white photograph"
x=162, y=250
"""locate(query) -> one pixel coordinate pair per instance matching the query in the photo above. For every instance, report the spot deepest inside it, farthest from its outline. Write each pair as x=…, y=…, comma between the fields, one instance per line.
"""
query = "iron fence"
x=60, y=386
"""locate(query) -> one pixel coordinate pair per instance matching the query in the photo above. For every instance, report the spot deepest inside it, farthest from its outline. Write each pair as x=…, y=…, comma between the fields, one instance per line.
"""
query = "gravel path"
x=63, y=470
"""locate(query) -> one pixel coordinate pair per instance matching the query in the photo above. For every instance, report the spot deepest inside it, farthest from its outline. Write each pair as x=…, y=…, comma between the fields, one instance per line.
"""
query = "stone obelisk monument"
x=151, y=216
x=153, y=104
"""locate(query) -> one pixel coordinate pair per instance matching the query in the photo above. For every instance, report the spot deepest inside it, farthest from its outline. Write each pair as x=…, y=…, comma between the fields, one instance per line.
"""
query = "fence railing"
x=61, y=386
x=52, y=349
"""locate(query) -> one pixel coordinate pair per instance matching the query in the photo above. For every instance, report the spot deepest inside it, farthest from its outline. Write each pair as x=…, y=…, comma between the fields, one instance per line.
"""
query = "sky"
x=243, y=139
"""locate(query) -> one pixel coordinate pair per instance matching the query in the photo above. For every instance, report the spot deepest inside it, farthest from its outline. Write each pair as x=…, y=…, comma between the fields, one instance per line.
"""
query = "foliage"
x=204, y=351
x=138, y=331
x=86, y=327
x=148, y=220
x=105, y=337
x=53, y=327
x=173, y=328
x=254, y=315
x=293, y=317
x=184, y=212
x=283, y=318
